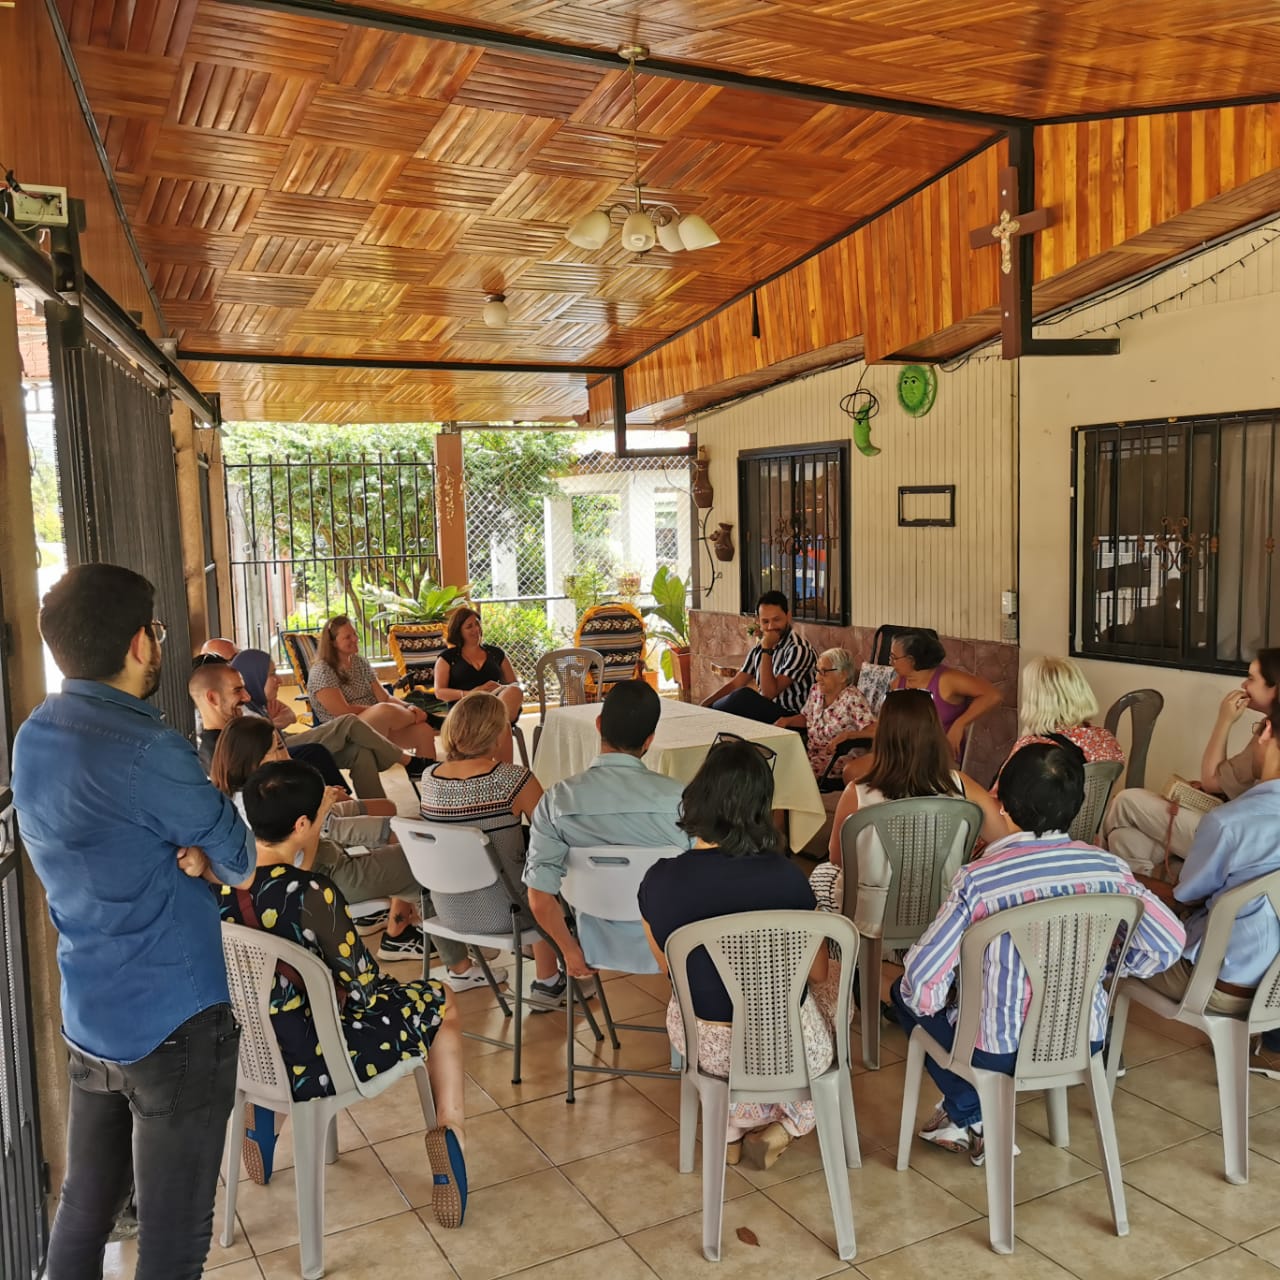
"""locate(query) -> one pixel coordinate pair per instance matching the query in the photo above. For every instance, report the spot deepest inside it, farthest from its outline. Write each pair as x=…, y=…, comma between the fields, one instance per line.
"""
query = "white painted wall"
x=1213, y=346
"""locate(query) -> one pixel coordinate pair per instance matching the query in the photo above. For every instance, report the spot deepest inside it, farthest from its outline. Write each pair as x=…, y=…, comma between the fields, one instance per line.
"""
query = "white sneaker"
x=472, y=977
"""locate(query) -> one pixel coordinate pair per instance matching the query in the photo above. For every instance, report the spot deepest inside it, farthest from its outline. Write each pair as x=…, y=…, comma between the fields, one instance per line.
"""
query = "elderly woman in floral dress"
x=835, y=710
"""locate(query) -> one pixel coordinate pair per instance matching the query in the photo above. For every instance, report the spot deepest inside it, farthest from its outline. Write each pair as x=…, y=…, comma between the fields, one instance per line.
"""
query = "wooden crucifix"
x=1015, y=324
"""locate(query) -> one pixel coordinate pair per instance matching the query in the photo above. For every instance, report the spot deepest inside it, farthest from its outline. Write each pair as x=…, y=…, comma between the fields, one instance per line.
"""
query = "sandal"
x=733, y=1152
x=449, y=1176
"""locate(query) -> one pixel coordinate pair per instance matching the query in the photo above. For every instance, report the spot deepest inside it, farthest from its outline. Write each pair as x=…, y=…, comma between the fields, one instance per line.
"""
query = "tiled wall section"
x=722, y=638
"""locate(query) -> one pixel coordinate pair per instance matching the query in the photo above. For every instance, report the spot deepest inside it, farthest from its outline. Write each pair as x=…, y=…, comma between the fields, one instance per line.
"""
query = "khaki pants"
x=1137, y=825
x=1173, y=984
x=362, y=751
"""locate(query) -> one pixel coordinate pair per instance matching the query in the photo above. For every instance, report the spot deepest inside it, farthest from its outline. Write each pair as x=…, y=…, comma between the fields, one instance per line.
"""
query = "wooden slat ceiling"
x=1027, y=58
x=307, y=188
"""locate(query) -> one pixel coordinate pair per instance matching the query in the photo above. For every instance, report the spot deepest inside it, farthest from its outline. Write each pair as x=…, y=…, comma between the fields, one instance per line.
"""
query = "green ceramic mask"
x=917, y=389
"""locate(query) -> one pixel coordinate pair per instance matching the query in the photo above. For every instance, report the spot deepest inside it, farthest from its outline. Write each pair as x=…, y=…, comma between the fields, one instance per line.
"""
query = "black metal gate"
x=118, y=480
x=23, y=1225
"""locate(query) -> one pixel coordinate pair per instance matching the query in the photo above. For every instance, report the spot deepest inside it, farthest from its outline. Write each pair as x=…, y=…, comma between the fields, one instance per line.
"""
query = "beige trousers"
x=1137, y=824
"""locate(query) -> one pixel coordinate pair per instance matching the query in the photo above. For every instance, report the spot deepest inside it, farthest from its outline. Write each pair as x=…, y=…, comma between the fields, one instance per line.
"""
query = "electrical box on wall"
x=1009, y=603
x=39, y=206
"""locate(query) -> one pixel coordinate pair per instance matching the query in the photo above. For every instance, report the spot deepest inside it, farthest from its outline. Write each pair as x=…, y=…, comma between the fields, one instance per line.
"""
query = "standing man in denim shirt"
x=123, y=827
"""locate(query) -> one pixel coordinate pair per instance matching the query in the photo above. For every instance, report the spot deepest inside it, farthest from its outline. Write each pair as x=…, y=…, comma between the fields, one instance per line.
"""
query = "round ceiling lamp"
x=643, y=224
x=496, y=315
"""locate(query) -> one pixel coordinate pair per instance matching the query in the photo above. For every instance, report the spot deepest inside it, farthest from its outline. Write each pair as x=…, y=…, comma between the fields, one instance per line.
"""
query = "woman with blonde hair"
x=342, y=683
x=474, y=786
x=1056, y=700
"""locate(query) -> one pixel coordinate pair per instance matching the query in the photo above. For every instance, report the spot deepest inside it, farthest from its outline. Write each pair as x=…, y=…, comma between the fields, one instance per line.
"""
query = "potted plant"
x=672, y=613
x=433, y=603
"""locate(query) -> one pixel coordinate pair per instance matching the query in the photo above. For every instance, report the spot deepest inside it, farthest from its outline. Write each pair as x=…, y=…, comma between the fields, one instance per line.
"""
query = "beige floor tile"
x=350, y=1138
x=1144, y=1043
x=393, y=1113
x=542, y=1073
x=246, y=1270
x=399, y=1246
x=1264, y=1131
x=890, y=1209
x=662, y=1093
x=1233, y=1264
x=1040, y=1168
x=121, y=1257
x=358, y=1190
x=783, y=1249
x=615, y=1259
x=1074, y=1228
x=605, y=1116
x=1178, y=1031
x=536, y=1028
x=496, y=1151
x=1141, y=1127
x=1266, y=1246
x=963, y=1253
x=475, y=1101
x=637, y=1050
x=520, y=1224
x=630, y=1002
x=641, y=1185
x=655, y=984
x=1187, y=1085
x=1189, y=1179
x=801, y=1157
x=877, y=1103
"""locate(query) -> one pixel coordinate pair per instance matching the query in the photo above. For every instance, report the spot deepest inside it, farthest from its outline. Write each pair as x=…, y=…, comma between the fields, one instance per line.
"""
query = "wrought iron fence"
x=310, y=534
x=557, y=522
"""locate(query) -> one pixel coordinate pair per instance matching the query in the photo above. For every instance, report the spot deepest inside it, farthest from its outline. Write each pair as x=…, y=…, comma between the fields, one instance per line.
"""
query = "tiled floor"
x=566, y=1192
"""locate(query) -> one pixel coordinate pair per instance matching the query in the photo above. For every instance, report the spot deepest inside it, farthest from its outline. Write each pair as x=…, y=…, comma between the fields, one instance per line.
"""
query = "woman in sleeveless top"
x=1056, y=699
x=474, y=787
x=960, y=698
x=911, y=757
x=468, y=663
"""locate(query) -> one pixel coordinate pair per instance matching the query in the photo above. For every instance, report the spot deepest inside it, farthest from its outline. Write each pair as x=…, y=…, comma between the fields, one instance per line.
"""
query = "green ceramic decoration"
x=862, y=406
x=917, y=389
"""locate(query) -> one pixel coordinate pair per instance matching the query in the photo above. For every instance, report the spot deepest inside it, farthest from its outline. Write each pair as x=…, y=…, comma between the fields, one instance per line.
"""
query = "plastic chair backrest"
x=571, y=669
x=604, y=880
x=251, y=957
x=988, y=744
x=918, y=845
x=415, y=646
x=445, y=858
x=883, y=639
x=1265, y=1012
x=617, y=631
x=1063, y=943
x=1099, y=778
x=1144, y=707
x=763, y=959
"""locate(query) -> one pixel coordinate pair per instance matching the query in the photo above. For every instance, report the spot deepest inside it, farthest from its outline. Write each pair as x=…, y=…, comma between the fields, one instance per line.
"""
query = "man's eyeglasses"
x=768, y=753
x=158, y=630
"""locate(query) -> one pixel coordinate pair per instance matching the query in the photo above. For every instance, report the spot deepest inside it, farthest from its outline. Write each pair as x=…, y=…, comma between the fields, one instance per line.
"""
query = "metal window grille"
x=1175, y=534
x=794, y=518
x=308, y=535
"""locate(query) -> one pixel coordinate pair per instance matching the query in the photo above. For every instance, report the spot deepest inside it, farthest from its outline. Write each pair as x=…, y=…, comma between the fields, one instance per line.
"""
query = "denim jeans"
x=162, y=1121
x=750, y=704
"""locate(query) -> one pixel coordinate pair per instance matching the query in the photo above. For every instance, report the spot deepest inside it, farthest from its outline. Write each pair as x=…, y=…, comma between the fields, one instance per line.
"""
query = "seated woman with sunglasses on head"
x=383, y=1021
x=738, y=864
x=911, y=757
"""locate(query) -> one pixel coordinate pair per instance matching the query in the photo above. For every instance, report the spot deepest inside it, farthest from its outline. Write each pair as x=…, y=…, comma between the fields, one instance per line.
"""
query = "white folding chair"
x=1063, y=944
x=604, y=881
x=1228, y=1036
x=263, y=1079
x=763, y=958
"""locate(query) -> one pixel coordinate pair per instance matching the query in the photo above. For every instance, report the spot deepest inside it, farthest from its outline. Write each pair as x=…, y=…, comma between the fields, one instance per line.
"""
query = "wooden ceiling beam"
x=358, y=15
x=424, y=366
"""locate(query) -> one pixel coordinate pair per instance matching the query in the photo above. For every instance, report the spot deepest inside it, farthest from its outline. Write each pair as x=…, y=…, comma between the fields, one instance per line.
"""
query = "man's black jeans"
x=751, y=704
x=163, y=1121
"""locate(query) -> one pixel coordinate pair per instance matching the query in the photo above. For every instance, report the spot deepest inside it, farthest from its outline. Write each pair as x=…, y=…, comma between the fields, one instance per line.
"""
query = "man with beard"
x=121, y=825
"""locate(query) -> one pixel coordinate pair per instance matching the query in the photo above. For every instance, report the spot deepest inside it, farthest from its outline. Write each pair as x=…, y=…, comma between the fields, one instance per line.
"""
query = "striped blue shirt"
x=1019, y=869
x=795, y=658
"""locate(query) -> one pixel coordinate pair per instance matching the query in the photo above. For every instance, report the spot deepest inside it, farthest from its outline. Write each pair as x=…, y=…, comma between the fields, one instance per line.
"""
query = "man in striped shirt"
x=1041, y=789
x=778, y=672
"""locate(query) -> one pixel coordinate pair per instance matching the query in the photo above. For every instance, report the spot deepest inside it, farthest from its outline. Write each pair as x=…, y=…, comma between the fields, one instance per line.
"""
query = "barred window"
x=794, y=523
x=1173, y=559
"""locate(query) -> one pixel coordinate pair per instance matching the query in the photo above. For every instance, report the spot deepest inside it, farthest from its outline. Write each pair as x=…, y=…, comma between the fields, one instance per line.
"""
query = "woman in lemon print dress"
x=383, y=1021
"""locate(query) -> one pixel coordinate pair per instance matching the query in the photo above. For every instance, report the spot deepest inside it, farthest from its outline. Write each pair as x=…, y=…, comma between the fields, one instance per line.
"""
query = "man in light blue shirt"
x=615, y=800
x=1233, y=844
x=121, y=825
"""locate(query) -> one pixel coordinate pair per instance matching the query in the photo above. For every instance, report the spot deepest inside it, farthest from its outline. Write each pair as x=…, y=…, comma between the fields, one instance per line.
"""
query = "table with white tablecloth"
x=570, y=742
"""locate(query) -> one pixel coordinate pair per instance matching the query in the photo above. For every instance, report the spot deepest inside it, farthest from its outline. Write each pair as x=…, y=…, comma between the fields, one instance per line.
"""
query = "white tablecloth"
x=569, y=743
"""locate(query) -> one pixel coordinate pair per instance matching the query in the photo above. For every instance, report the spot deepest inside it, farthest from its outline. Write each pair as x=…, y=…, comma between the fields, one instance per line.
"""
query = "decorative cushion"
x=300, y=648
x=874, y=683
x=415, y=646
x=616, y=631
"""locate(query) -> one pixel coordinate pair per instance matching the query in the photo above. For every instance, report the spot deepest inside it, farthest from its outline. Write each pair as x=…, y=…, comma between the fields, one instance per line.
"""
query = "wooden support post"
x=451, y=508
x=209, y=442
x=191, y=523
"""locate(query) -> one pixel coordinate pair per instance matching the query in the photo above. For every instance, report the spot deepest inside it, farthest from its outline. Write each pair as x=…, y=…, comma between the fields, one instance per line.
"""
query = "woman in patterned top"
x=1056, y=698
x=475, y=787
x=835, y=710
x=342, y=683
x=383, y=1021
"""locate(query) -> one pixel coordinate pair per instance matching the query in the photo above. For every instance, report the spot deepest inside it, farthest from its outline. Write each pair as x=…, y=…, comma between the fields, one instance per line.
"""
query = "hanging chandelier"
x=643, y=225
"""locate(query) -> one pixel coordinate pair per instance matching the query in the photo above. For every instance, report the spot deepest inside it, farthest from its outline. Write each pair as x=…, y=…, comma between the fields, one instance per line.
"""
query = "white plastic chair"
x=604, y=881
x=263, y=1079
x=1228, y=1036
x=899, y=860
x=1064, y=944
x=1100, y=777
x=763, y=959
x=578, y=675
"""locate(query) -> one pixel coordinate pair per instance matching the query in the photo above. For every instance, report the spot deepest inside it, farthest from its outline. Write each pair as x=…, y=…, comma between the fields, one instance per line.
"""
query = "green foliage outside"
x=595, y=520
x=523, y=631
x=44, y=499
x=431, y=602
x=671, y=610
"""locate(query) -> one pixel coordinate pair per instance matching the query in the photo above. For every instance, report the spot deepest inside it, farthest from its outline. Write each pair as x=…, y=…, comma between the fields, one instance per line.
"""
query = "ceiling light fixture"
x=496, y=314
x=643, y=225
